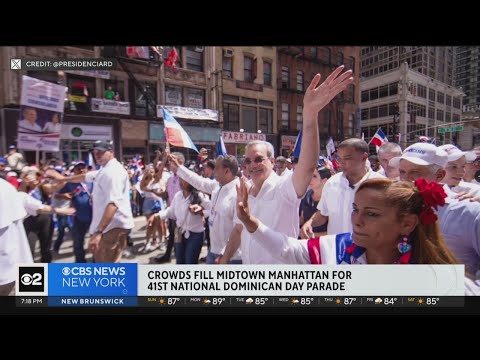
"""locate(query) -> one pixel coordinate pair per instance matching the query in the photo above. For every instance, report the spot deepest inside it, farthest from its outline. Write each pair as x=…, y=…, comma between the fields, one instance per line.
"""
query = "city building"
x=405, y=101
x=248, y=92
x=297, y=65
x=468, y=79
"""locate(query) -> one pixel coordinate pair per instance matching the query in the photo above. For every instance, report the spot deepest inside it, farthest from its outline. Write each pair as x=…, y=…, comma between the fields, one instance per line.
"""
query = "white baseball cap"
x=455, y=153
x=422, y=154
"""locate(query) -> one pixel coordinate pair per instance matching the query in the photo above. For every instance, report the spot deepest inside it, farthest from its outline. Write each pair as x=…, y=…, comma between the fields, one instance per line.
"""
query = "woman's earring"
x=403, y=246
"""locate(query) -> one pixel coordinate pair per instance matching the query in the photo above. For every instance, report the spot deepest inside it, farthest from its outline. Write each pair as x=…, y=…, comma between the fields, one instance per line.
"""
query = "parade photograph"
x=171, y=171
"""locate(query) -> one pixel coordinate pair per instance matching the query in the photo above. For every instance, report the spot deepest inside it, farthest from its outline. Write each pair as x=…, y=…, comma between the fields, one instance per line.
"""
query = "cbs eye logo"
x=31, y=279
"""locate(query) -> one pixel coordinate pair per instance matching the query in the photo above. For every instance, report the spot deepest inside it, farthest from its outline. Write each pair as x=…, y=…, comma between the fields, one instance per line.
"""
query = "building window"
x=285, y=77
x=456, y=103
x=80, y=90
x=194, y=59
x=351, y=93
x=249, y=119
x=173, y=95
x=267, y=73
x=422, y=91
x=328, y=121
x=300, y=80
x=326, y=55
x=285, y=115
x=313, y=52
x=439, y=115
x=431, y=94
x=339, y=58
x=266, y=120
x=144, y=107
x=448, y=100
x=340, y=125
x=440, y=97
x=365, y=96
x=118, y=87
x=299, y=117
x=227, y=67
x=248, y=69
x=231, y=117
x=195, y=98
x=393, y=89
x=351, y=64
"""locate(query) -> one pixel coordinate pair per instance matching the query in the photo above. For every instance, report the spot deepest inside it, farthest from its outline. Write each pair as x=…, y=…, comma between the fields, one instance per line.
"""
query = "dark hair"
x=230, y=162
x=324, y=172
x=358, y=145
x=211, y=164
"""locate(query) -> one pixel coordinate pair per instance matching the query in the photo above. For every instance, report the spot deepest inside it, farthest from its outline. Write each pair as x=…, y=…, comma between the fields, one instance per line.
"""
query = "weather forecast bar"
x=40, y=64
x=242, y=301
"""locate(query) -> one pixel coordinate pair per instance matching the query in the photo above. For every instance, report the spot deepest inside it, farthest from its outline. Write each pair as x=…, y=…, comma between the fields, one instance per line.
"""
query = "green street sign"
x=451, y=129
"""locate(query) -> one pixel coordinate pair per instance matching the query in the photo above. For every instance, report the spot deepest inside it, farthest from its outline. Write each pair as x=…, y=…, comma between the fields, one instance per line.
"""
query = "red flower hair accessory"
x=433, y=196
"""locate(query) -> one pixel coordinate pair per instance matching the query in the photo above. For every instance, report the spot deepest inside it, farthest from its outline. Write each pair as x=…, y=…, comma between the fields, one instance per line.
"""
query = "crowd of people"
x=419, y=205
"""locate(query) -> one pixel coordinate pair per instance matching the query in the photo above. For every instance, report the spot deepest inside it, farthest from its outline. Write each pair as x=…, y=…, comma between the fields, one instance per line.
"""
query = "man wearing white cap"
x=455, y=170
x=459, y=220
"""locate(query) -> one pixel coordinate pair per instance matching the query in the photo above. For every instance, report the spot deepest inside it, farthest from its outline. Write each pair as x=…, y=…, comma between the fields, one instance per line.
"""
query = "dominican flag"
x=298, y=145
x=175, y=135
x=221, y=149
x=330, y=148
x=136, y=163
x=379, y=138
x=333, y=250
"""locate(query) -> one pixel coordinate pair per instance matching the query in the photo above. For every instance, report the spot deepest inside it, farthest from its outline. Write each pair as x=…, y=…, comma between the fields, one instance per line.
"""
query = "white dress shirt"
x=337, y=199
x=179, y=211
x=14, y=247
x=111, y=186
x=221, y=209
x=276, y=205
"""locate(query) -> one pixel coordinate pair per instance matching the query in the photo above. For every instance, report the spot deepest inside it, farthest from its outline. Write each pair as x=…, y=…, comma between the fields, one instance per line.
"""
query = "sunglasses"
x=257, y=160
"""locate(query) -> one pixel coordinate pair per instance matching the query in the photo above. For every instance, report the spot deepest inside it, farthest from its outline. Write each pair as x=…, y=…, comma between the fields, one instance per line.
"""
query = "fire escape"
x=119, y=53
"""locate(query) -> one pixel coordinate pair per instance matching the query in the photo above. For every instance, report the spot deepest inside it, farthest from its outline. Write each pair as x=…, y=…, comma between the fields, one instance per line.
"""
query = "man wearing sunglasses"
x=273, y=199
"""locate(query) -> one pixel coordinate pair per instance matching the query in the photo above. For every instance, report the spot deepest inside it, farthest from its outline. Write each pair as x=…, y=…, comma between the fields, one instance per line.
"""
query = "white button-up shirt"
x=460, y=226
x=14, y=247
x=179, y=211
x=276, y=205
x=337, y=199
x=111, y=186
x=221, y=209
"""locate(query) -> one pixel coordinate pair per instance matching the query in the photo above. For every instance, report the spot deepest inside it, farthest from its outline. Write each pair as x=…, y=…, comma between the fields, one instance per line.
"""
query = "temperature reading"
x=260, y=301
x=306, y=301
x=172, y=301
x=432, y=301
x=389, y=301
x=217, y=301
x=349, y=301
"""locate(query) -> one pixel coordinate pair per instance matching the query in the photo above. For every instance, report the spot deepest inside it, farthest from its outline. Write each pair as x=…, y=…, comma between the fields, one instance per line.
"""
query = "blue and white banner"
x=92, y=279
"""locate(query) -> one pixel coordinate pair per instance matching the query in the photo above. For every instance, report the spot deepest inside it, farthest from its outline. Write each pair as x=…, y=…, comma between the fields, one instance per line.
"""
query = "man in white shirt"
x=335, y=205
x=281, y=166
x=14, y=247
x=275, y=200
x=472, y=168
x=459, y=220
x=455, y=171
x=222, y=206
x=112, y=213
x=28, y=125
x=386, y=152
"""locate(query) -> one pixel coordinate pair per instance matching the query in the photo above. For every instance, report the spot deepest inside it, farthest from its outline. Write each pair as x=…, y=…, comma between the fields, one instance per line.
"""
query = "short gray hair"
x=179, y=156
x=266, y=144
x=390, y=148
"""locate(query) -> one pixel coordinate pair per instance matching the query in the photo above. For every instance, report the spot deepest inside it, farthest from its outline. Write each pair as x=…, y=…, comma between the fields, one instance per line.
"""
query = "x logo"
x=15, y=64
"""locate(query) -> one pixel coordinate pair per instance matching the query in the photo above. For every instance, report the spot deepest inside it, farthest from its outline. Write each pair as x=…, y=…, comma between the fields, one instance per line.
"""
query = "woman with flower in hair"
x=393, y=223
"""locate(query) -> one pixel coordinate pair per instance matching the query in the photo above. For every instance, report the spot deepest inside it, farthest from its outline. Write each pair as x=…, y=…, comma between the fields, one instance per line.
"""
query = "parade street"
x=138, y=236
